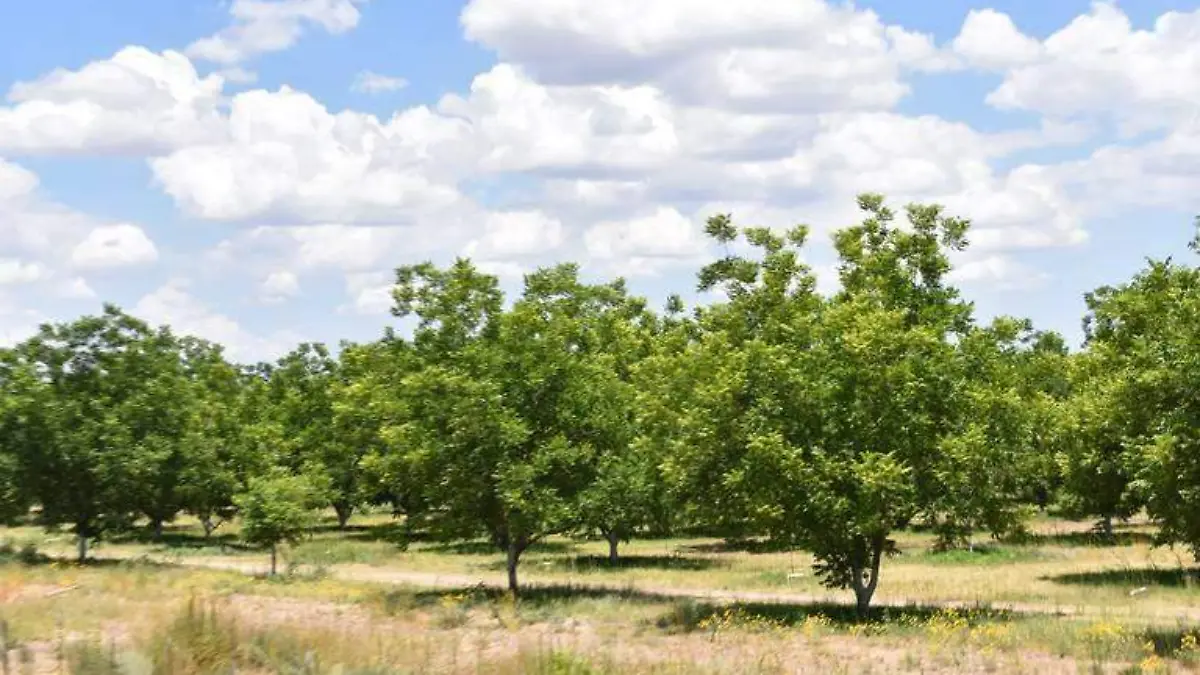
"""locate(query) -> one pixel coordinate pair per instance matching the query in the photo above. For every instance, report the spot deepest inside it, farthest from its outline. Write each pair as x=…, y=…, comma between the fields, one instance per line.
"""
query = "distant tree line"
x=826, y=422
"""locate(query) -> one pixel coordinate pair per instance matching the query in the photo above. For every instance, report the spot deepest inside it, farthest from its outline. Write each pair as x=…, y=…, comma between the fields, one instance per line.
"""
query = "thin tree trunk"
x=613, y=542
x=273, y=557
x=1106, y=527
x=207, y=523
x=83, y=546
x=344, y=512
x=156, y=527
x=514, y=557
x=866, y=579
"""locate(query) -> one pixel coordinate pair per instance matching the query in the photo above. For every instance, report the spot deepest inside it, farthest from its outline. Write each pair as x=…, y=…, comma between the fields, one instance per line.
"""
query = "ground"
x=357, y=602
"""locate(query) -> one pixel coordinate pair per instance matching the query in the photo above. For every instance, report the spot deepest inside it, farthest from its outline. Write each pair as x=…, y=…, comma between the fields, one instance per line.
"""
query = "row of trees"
x=824, y=422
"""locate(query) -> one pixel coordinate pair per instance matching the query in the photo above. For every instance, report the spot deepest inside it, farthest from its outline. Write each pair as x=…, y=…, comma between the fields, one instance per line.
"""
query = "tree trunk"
x=209, y=525
x=343, y=511
x=156, y=528
x=273, y=557
x=865, y=579
x=613, y=542
x=514, y=556
x=83, y=545
x=1106, y=528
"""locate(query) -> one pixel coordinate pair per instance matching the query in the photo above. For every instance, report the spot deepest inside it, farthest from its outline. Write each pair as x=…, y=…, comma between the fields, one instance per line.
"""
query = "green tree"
x=82, y=444
x=276, y=508
x=302, y=389
x=509, y=408
x=995, y=462
x=820, y=420
x=1137, y=407
x=238, y=442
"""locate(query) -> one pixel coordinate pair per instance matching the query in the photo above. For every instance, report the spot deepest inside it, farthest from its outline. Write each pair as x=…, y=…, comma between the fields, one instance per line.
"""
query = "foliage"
x=277, y=508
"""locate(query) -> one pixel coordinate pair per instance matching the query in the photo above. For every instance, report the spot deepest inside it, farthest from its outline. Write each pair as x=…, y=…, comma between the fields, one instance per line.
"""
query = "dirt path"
x=449, y=581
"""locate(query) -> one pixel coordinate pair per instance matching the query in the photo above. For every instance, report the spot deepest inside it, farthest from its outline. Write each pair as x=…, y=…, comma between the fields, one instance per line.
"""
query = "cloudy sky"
x=251, y=171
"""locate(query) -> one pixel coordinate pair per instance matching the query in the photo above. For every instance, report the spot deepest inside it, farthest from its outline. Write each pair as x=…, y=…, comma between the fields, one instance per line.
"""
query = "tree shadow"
x=753, y=546
x=480, y=547
x=1172, y=642
x=687, y=615
x=1087, y=539
x=1136, y=577
x=597, y=563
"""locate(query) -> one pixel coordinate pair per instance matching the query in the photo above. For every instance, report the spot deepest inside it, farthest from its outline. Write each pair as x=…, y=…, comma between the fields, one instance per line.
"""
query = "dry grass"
x=346, y=609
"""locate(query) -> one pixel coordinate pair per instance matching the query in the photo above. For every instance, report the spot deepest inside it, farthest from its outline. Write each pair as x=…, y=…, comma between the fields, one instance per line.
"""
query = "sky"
x=252, y=171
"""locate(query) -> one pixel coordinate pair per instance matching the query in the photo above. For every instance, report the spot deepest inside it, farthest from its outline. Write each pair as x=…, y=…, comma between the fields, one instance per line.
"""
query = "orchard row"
x=826, y=422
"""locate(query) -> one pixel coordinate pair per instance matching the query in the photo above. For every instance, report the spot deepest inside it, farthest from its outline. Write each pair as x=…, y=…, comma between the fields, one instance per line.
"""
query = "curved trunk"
x=513, y=558
x=865, y=578
x=344, y=511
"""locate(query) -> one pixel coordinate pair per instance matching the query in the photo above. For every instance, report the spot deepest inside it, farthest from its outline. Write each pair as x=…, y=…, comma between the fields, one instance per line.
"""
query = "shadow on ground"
x=756, y=546
x=1089, y=539
x=1135, y=577
x=488, y=548
x=685, y=615
x=597, y=563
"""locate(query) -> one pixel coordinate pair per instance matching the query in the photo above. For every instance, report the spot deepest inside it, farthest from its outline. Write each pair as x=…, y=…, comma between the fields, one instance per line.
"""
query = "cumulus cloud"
x=279, y=286
x=110, y=246
x=1098, y=66
x=998, y=272
x=514, y=235
x=989, y=39
x=288, y=158
x=262, y=26
x=804, y=55
x=18, y=272
x=648, y=244
x=173, y=304
x=137, y=102
x=370, y=293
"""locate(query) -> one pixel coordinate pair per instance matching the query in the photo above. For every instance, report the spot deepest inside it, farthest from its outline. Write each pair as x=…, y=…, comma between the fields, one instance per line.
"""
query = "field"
x=355, y=602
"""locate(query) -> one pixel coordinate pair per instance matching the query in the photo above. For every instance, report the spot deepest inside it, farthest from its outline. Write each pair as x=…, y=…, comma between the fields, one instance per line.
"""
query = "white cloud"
x=262, y=26
x=287, y=158
x=73, y=288
x=989, y=39
x=801, y=55
x=19, y=272
x=334, y=246
x=118, y=245
x=370, y=293
x=1100, y=66
x=516, y=234
x=136, y=102
x=172, y=304
x=648, y=244
x=1000, y=273
x=368, y=82
x=279, y=286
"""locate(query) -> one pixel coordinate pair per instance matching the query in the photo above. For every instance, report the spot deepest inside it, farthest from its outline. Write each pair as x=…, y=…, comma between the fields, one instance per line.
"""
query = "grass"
x=1117, y=607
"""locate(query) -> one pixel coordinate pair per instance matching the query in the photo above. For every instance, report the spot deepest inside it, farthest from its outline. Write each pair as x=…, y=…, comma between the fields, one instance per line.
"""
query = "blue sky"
x=251, y=171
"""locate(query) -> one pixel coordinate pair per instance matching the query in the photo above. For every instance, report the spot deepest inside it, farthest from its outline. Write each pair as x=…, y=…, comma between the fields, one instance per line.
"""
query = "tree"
x=82, y=440
x=238, y=442
x=820, y=419
x=508, y=408
x=1138, y=409
x=276, y=508
x=994, y=463
x=302, y=388
x=626, y=492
